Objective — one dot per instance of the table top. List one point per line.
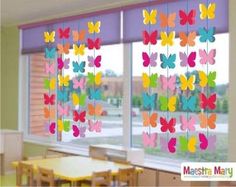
(75, 168)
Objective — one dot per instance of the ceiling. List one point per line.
(15, 12)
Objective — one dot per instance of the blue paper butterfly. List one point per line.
(78, 67)
(149, 101)
(206, 35)
(189, 103)
(168, 62)
(62, 96)
(50, 53)
(94, 94)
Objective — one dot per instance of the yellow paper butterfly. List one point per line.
(187, 83)
(64, 81)
(167, 39)
(149, 81)
(78, 50)
(78, 99)
(50, 83)
(49, 37)
(149, 17)
(94, 28)
(207, 12)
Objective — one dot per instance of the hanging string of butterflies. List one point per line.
(74, 96)
(185, 84)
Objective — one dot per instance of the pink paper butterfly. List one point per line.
(149, 140)
(78, 84)
(168, 83)
(63, 111)
(187, 124)
(95, 126)
(149, 60)
(168, 146)
(51, 127)
(210, 57)
(50, 68)
(78, 131)
(94, 61)
(62, 63)
(187, 60)
(205, 143)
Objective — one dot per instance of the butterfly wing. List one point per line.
(184, 59)
(191, 59)
(98, 78)
(172, 103)
(212, 121)
(75, 99)
(146, 59)
(164, 124)
(75, 130)
(153, 80)
(203, 141)
(163, 103)
(183, 143)
(153, 58)
(146, 80)
(171, 145)
(192, 144)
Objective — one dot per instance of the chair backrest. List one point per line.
(101, 178)
(24, 170)
(45, 176)
(126, 176)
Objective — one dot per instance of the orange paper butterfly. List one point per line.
(167, 20)
(63, 48)
(48, 113)
(150, 119)
(207, 121)
(187, 39)
(95, 110)
(78, 35)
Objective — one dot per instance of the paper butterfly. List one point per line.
(95, 110)
(206, 121)
(167, 103)
(63, 110)
(189, 103)
(187, 18)
(150, 38)
(94, 79)
(167, 20)
(94, 44)
(63, 125)
(79, 50)
(79, 116)
(187, 124)
(63, 64)
(48, 113)
(94, 27)
(49, 37)
(205, 79)
(207, 57)
(187, 60)
(50, 52)
(149, 60)
(168, 61)
(49, 99)
(167, 39)
(50, 68)
(168, 83)
(149, 140)
(50, 83)
(149, 101)
(149, 119)
(187, 39)
(63, 48)
(149, 18)
(149, 81)
(78, 99)
(79, 67)
(187, 83)
(64, 33)
(78, 35)
(206, 35)
(64, 81)
(94, 126)
(94, 62)
(205, 143)
(95, 94)
(207, 12)
(78, 131)
(78, 83)
(207, 102)
(168, 145)
(52, 127)
(167, 126)
(62, 96)
(188, 144)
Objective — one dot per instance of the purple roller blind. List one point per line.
(33, 39)
(133, 18)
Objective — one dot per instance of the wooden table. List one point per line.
(76, 168)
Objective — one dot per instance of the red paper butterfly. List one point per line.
(94, 44)
(64, 33)
(79, 116)
(152, 38)
(168, 125)
(207, 102)
(187, 18)
(49, 100)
